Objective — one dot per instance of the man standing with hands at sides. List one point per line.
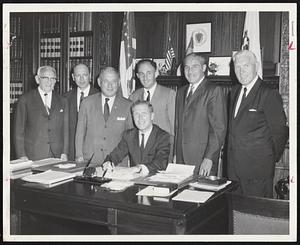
(148, 146)
(200, 124)
(42, 120)
(102, 119)
(257, 131)
(82, 78)
(161, 98)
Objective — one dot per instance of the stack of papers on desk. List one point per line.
(193, 196)
(155, 191)
(121, 173)
(209, 187)
(116, 185)
(50, 178)
(46, 161)
(20, 168)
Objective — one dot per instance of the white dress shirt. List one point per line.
(85, 94)
(249, 87)
(151, 90)
(49, 97)
(110, 102)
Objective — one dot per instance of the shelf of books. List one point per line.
(50, 43)
(80, 40)
(16, 59)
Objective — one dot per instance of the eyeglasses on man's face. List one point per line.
(52, 79)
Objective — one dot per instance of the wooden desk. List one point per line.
(77, 208)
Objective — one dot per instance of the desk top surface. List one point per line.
(126, 200)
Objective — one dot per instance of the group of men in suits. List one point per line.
(155, 125)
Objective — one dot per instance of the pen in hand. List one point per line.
(104, 173)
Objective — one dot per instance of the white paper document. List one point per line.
(49, 178)
(46, 161)
(155, 191)
(19, 164)
(209, 187)
(175, 173)
(193, 196)
(120, 173)
(116, 185)
(66, 165)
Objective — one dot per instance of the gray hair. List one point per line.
(246, 53)
(202, 58)
(45, 68)
(109, 70)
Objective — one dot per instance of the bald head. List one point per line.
(81, 76)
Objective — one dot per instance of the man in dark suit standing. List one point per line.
(161, 98)
(257, 131)
(200, 124)
(42, 120)
(102, 119)
(82, 78)
(148, 146)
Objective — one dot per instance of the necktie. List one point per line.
(81, 98)
(148, 96)
(106, 109)
(142, 145)
(188, 98)
(242, 100)
(46, 103)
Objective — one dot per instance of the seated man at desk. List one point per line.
(147, 145)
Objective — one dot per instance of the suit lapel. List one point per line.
(235, 96)
(40, 102)
(150, 141)
(197, 93)
(54, 102)
(157, 93)
(114, 109)
(250, 97)
(136, 144)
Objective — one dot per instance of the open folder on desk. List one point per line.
(20, 168)
(68, 167)
(50, 178)
(174, 177)
(193, 196)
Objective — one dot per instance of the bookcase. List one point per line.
(66, 39)
(16, 58)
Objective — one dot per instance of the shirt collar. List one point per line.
(85, 91)
(151, 90)
(196, 85)
(147, 133)
(42, 93)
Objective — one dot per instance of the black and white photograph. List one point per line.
(146, 122)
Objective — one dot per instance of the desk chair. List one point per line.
(255, 215)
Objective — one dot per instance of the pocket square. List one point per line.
(121, 118)
(61, 110)
(252, 110)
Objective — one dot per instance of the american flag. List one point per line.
(127, 54)
(169, 56)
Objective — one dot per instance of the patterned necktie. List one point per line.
(142, 145)
(188, 98)
(106, 109)
(148, 96)
(46, 104)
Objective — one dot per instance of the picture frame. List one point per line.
(198, 37)
(219, 66)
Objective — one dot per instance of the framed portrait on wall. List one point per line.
(198, 37)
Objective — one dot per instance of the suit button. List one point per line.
(104, 138)
(101, 149)
(49, 130)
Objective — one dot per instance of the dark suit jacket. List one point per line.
(38, 134)
(156, 152)
(200, 125)
(73, 115)
(93, 134)
(257, 135)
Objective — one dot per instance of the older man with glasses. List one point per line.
(41, 124)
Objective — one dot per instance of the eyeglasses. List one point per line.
(193, 67)
(78, 76)
(52, 79)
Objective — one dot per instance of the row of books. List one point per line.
(86, 61)
(50, 23)
(16, 89)
(15, 26)
(80, 21)
(15, 70)
(50, 47)
(16, 48)
(81, 46)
